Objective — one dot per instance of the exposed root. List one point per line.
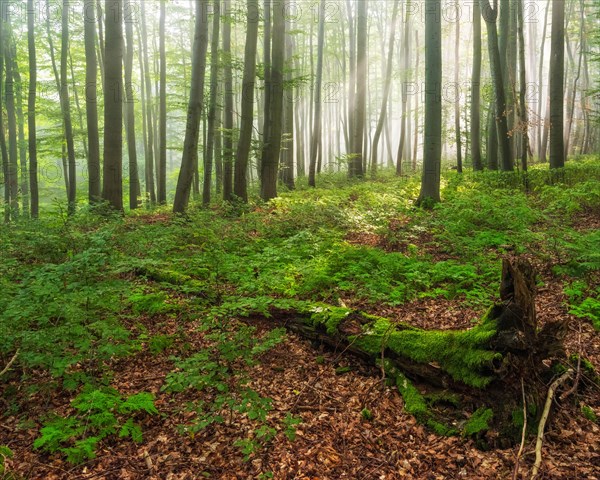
(10, 363)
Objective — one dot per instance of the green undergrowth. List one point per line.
(75, 290)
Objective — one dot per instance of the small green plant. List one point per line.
(479, 422)
(589, 413)
(159, 343)
(5, 453)
(366, 414)
(99, 414)
(290, 422)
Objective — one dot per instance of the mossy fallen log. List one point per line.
(481, 367)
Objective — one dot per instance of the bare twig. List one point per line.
(540, 434)
(523, 434)
(10, 362)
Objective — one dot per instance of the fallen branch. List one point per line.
(523, 433)
(10, 362)
(540, 434)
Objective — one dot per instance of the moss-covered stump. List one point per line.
(480, 368)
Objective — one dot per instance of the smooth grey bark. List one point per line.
(356, 159)
(476, 91)
(212, 103)
(161, 194)
(490, 15)
(31, 121)
(557, 66)
(112, 180)
(432, 145)
(228, 110)
(3, 149)
(404, 90)
(315, 138)
(240, 183)
(523, 116)
(134, 179)
(287, 157)
(272, 149)
(192, 128)
(541, 123)
(9, 96)
(91, 101)
(22, 145)
(150, 141)
(459, 166)
(416, 139)
(386, 86)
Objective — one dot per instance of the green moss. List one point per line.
(414, 402)
(478, 421)
(441, 429)
(463, 354)
(443, 397)
(328, 316)
(589, 414)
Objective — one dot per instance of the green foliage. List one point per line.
(479, 422)
(5, 453)
(99, 413)
(589, 413)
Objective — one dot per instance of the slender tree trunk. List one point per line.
(228, 112)
(240, 183)
(356, 160)
(522, 88)
(287, 175)
(352, 74)
(557, 67)
(31, 101)
(91, 99)
(476, 91)
(459, 166)
(112, 185)
(134, 178)
(4, 150)
(13, 166)
(416, 139)
(212, 103)
(162, 120)
(541, 87)
(571, 106)
(490, 15)
(316, 130)
(405, 93)
(192, 128)
(430, 181)
(150, 184)
(271, 151)
(21, 135)
(77, 104)
(386, 86)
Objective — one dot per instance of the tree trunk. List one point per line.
(524, 126)
(112, 188)
(192, 128)
(65, 104)
(130, 100)
(557, 66)
(459, 166)
(212, 103)
(4, 150)
(162, 118)
(490, 15)
(541, 87)
(13, 166)
(31, 123)
(476, 91)
(228, 111)
(91, 100)
(571, 106)
(416, 139)
(356, 160)
(432, 145)
(315, 139)
(240, 183)
(404, 92)
(21, 135)
(272, 149)
(287, 171)
(150, 151)
(386, 86)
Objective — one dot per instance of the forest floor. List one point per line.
(330, 415)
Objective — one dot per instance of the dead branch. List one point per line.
(10, 362)
(540, 434)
